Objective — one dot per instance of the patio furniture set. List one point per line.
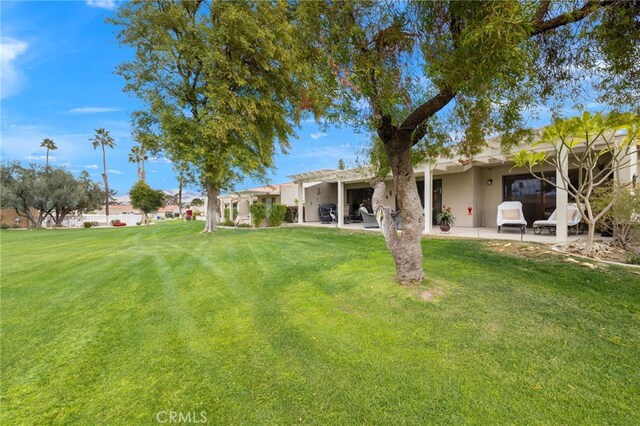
(509, 215)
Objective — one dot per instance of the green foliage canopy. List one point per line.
(144, 198)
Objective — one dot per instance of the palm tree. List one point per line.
(138, 155)
(50, 145)
(103, 138)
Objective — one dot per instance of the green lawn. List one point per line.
(112, 326)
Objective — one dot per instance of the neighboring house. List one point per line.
(8, 217)
(115, 209)
(473, 188)
(287, 194)
(162, 211)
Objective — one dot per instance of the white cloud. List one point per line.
(114, 171)
(22, 140)
(37, 157)
(316, 136)
(12, 79)
(92, 110)
(103, 4)
(90, 166)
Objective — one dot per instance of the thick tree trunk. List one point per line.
(212, 197)
(406, 249)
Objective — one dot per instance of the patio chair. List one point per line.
(510, 215)
(327, 212)
(573, 221)
(368, 219)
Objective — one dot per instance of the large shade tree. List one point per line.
(220, 84)
(432, 78)
(35, 193)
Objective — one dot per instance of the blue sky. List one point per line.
(58, 81)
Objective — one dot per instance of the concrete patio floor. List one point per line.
(512, 234)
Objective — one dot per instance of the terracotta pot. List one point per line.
(445, 227)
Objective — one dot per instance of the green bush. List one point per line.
(4, 226)
(634, 259)
(87, 224)
(169, 215)
(276, 214)
(226, 215)
(227, 222)
(258, 213)
(291, 216)
(243, 225)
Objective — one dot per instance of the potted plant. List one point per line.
(445, 219)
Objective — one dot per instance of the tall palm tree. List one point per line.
(50, 145)
(138, 155)
(103, 138)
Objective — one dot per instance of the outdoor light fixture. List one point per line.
(490, 182)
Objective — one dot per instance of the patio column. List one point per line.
(250, 204)
(428, 202)
(231, 210)
(561, 196)
(300, 205)
(340, 203)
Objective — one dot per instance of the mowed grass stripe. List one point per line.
(306, 325)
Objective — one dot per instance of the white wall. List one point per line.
(288, 193)
(457, 193)
(129, 219)
(322, 193)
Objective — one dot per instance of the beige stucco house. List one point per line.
(285, 193)
(471, 187)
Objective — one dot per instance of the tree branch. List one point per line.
(566, 18)
(427, 110)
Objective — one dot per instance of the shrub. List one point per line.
(276, 214)
(243, 225)
(227, 222)
(187, 218)
(291, 216)
(634, 259)
(4, 226)
(87, 224)
(115, 222)
(623, 218)
(226, 215)
(258, 213)
(169, 215)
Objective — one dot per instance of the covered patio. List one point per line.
(487, 233)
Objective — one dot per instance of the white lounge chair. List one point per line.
(510, 214)
(573, 221)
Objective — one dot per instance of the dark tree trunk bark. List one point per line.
(212, 197)
(406, 249)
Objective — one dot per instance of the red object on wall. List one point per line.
(469, 208)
